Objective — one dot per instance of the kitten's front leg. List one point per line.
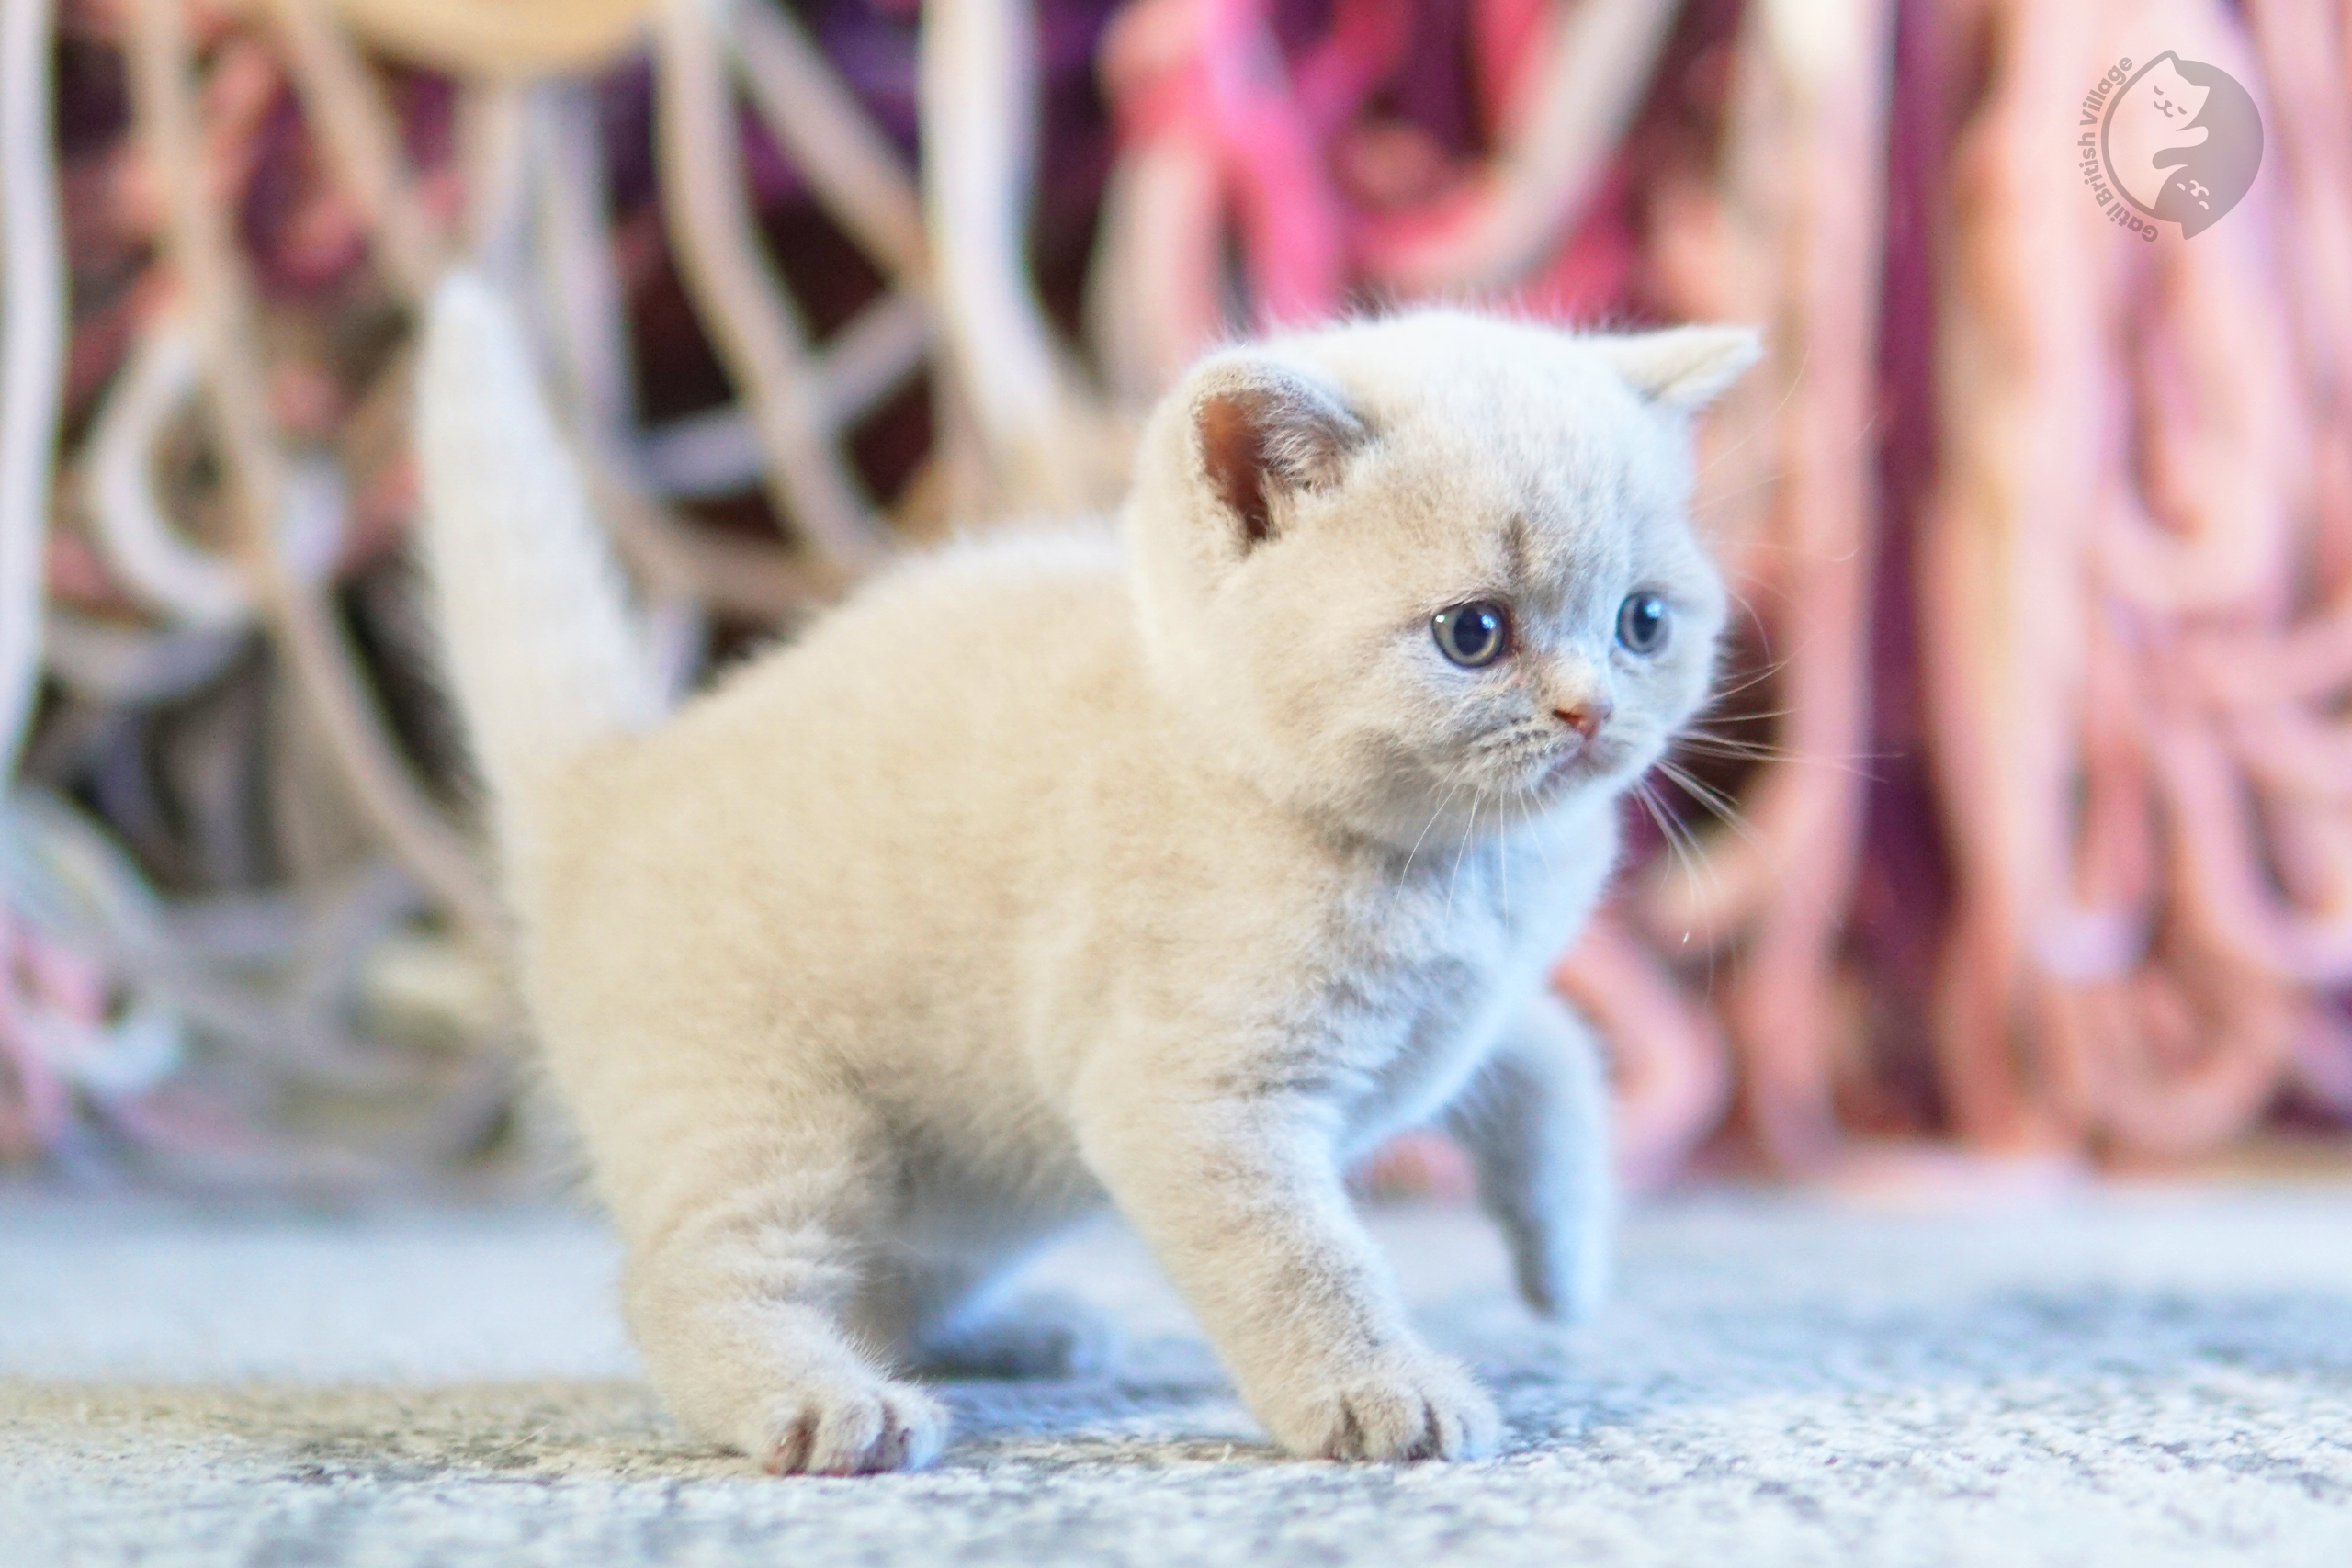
(1239, 1197)
(1535, 1122)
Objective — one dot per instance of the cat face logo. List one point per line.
(2181, 141)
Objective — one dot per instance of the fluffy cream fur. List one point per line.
(1173, 864)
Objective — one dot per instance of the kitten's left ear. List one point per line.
(1682, 368)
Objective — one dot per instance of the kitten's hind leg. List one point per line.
(1535, 1122)
(966, 1315)
(1022, 1334)
(749, 1219)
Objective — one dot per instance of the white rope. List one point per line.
(147, 553)
(32, 351)
(976, 75)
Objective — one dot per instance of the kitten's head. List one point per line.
(1403, 571)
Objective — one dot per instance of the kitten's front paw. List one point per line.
(850, 1427)
(1564, 1280)
(1421, 1407)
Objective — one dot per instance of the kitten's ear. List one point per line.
(1682, 368)
(1263, 428)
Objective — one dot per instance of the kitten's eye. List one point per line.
(1474, 634)
(1641, 623)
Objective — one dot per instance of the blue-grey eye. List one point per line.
(1641, 623)
(1474, 634)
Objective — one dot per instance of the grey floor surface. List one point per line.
(2149, 1377)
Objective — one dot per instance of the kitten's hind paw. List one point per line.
(1040, 1335)
(850, 1429)
(1422, 1408)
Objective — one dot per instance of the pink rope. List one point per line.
(39, 982)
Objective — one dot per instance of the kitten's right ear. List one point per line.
(1262, 429)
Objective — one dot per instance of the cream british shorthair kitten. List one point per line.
(1168, 863)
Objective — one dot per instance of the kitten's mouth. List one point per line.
(1572, 765)
(1578, 763)
(1540, 772)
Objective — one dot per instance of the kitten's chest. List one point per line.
(1428, 974)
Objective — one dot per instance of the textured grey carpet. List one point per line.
(2139, 1379)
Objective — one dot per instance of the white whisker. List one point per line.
(1468, 832)
(1683, 849)
(1443, 802)
(1717, 804)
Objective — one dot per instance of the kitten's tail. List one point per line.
(537, 638)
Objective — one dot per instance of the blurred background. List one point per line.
(2016, 849)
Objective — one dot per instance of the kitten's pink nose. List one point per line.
(1584, 717)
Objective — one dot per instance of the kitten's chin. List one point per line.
(1559, 788)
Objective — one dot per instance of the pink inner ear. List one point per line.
(1233, 449)
(1278, 434)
